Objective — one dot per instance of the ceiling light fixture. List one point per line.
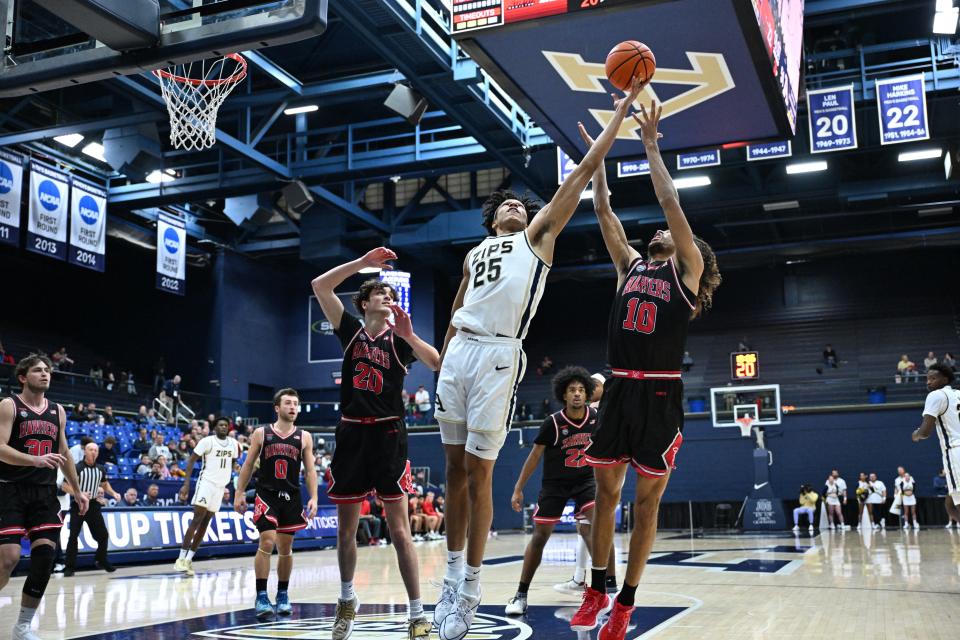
(69, 139)
(920, 154)
(157, 177)
(691, 181)
(306, 108)
(781, 206)
(94, 150)
(806, 167)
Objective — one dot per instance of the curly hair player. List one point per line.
(641, 411)
(483, 363)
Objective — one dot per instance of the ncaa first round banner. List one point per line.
(47, 227)
(88, 225)
(171, 255)
(11, 188)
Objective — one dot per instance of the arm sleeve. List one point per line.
(936, 404)
(349, 325)
(547, 436)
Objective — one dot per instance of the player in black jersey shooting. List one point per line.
(33, 445)
(371, 453)
(560, 444)
(280, 449)
(641, 412)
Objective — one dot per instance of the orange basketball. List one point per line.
(628, 60)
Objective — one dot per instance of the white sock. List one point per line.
(583, 560)
(454, 566)
(190, 553)
(415, 609)
(346, 591)
(183, 554)
(471, 582)
(26, 616)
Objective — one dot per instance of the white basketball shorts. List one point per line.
(951, 464)
(208, 495)
(477, 392)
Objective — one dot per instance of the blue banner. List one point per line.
(769, 150)
(565, 166)
(400, 281)
(47, 226)
(11, 190)
(698, 159)
(902, 106)
(88, 225)
(629, 168)
(171, 255)
(833, 120)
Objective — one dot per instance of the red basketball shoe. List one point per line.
(595, 604)
(616, 626)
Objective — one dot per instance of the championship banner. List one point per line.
(833, 120)
(769, 150)
(698, 159)
(400, 281)
(171, 255)
(902, 106)
(630, 168)
(11, 189)
(47, 227)
(88, 225)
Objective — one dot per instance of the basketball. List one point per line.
(630, 59)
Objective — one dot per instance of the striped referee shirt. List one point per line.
(91, 477)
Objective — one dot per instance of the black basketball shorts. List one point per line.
(555, 495)
(280, 511)
(640, 423)
(28, 510)
(369, 458)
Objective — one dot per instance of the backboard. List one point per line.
(761, 402)
(45, 52)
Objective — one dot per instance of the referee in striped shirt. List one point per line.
(92, 478)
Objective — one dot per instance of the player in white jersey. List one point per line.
(483, 363)
(219, 453)
(941, 413)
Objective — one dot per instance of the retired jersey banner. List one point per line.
(171, 255)
(629, 168)
(769, 150)
(11, 190)
(902, 106)
(833, 120)
(88, 225)
(47, 227)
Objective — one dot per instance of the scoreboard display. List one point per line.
(471, 15)
(745, 365)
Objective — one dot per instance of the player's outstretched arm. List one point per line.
(403, 327)
(614, 237)
(310, 473)
(556, 214)
(189, 470)
(68, 468)
(324, 285)
(246, 471)
(531, 464)
(457, 303)
(925, 429)
(690, 258)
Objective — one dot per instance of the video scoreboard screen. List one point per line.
(470, 15)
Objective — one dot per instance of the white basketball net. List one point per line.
(194, 92)
(745, 423)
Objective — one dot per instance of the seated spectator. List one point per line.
(61, 361)
(432, 517)
(949, 361)
(830, 358)
(152, 499)
(91, 415)
(164, 469)
(929, 361)
(416, 518)
(368, 527)
(907, 368)
(226, 501)
(182, 452)
(6, 358)
(129, 498)
(108, 452)
(142, 443)
(376, 510)
(156, 471)
(687, 362)
(77, 414)
(145, 466)
(76, 451)
(108, 417)
(183, 497)
(159, 449)
(808, 500)
(173, 456)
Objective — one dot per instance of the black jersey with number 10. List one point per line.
(280, 460)
(648, 323)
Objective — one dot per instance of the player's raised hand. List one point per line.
(516, 501)
(240, 503)
(583, 134)
(401, 325)
(49, 461)
(624, 102)
(311, 508)
(377, 258)
(649, 121)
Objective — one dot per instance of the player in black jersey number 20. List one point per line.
(371, 454)
(560, 443)
(280, 449)
(641, 412)
(32, 445)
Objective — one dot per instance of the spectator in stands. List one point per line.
(145, 467)
(227, 501)
(108, 417)
(368, 529)
(830, 358)
(164, 469)
(77, 414)
(183, 497)
(129, 498)
(132, 385)
(76, 451)
(808, 501)
(156, 473)
(949, 361)
(172, 446)
(152, 499)
(110, 379)
(181, 453)
(96, 375)
(906, 367)
(422, 398)
(376, 510)
(91, 415)
(545, 409)
(545, 366)
(6, 358)
(159, 449)
(61, 361)
(108, 453)
(172, 389)
(416, 518)
(432, 517)
(687, 362)
(743, 345)
(141, 415)
(929, 361)
(142, 443)
(320, 446)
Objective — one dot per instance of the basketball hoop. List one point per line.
(745, 423)
(194, 96)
